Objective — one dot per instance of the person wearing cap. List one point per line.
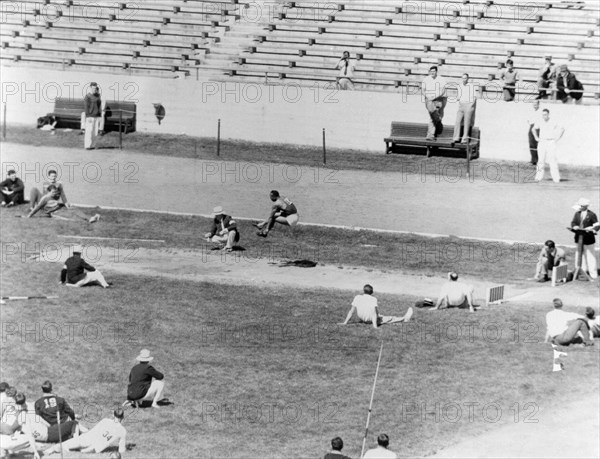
(586, 220)
(510, 78)
(49, 406)
(284, 212)
(549, 257)
(433, 89)
(566, 328)
(145, 382)
(546, 76)
(92, 110)
(224, 230)
(547, 135)
(13, 190)
(568, 87)
(108, 432)
(382, 451)
(337, 444)
(367, 310)
(27, 427)
(77, 273)
(455, 294)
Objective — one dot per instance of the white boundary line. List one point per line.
(323, 225)
(112, 238)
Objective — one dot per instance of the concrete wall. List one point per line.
(291, 114)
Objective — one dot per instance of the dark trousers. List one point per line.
(15, 198)
(533, 144)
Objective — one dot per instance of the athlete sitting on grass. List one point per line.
(283, 211)
(455, 294)
(106, 433)
(53, 198)
(366, 309)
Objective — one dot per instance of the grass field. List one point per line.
(266, 371)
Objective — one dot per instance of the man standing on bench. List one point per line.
(92, 109)
(433, 89)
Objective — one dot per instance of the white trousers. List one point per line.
(92, 126)
(90, 278)
(547, 154)
(155, 391)
(588, 260)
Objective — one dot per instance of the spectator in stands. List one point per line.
(465, 117)
(223, 230)
(593, 322)
(382, 451)
(77, 273)
(336, 449)
(455, 294)
(433, 89)
(566, 328)
(585, 219)
(92, 109)
(13, 190)
(546, 76)
(509, 77)
(346, 66)
(535, 117)
(547, 135)
(568, 87)
(549, 257)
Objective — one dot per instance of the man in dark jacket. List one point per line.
(92, 110)
(77, 273)
(224, 230)
(568, 87)
(13, 190)
(145, 383)
(587, 221)
(49, 405)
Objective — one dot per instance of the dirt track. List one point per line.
(409, 202)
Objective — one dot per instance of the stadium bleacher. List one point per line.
(301, 41)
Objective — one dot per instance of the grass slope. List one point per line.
(263, 372)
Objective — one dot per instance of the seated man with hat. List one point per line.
(568, 87)
(77, 273)
(145, 382)
(224, 230)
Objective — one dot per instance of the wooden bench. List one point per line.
(413, 135)
(68, 114)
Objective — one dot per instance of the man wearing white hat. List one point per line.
(586, 220)
(145, 382)
(224, 230)
(77, 273)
